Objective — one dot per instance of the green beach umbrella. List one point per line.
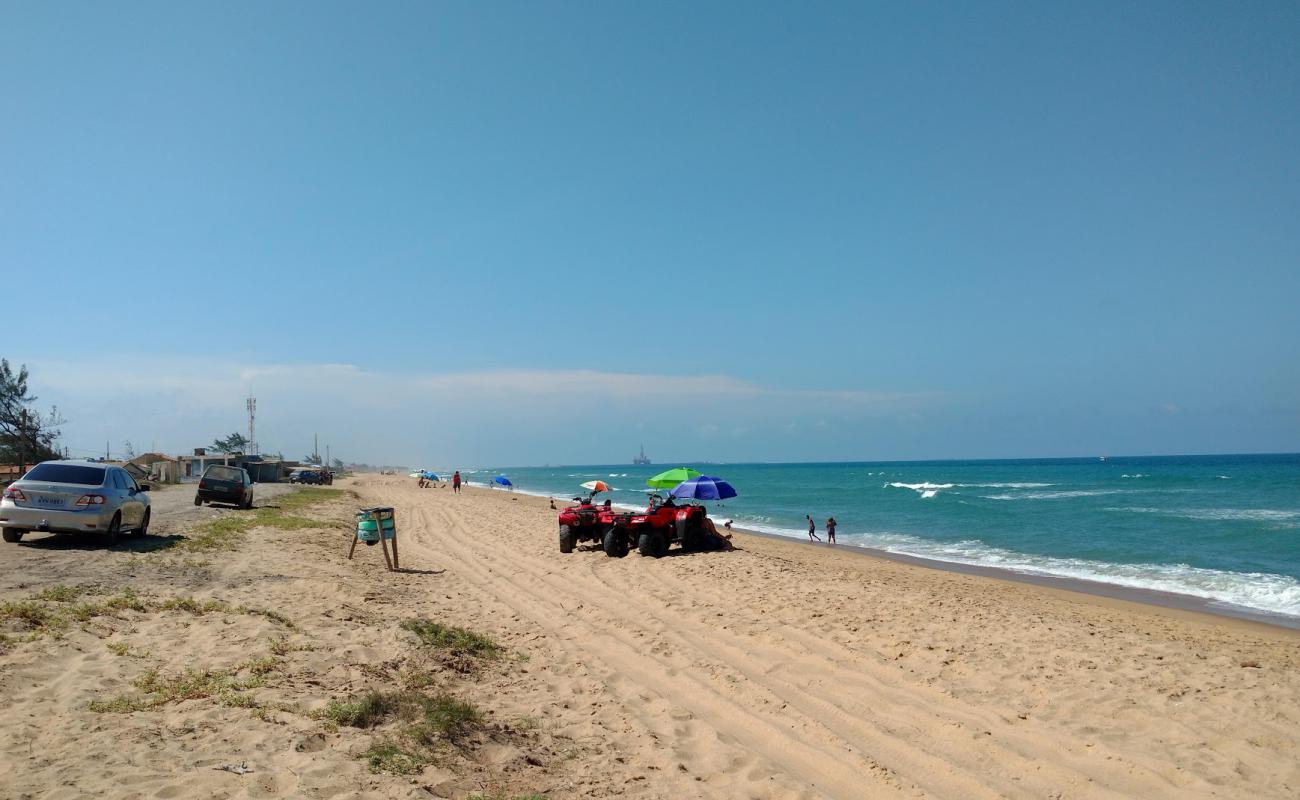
(670, 479)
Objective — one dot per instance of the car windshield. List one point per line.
(224, 473)
(67, 473)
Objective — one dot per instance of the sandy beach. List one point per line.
(779, 670)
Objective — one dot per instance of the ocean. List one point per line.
(1225, 529)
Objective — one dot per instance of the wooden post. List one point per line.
(395, 564)
(383, 542)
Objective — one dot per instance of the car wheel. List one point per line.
(198, 501)
(114, 529)
(143, 530)
(249, 502)
(12, 536)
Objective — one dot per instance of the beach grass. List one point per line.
(462, 649)
(158, 689)
(226, 532)
(429, 721)
(389, 757)
(54, 610)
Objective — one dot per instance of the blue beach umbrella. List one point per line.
(503, 480)
(429, 476)
(703, 488)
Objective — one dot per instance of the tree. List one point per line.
(129, 449)
(338, 463)
(234, 443)
(26, 435)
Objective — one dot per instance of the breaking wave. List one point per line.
(1061, 495)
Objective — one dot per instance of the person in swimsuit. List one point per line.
(830, 530)
(812, 529)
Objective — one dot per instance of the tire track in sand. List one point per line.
(766, 736)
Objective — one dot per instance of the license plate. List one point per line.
(54, 502)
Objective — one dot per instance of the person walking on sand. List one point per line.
(812, 529)
(830, 530)
(455, 482)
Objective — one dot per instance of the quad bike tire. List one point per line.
(567, 539)
(691, 534)
(615, 543)
(651, 544)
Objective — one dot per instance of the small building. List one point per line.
(262, 469)
(192, 467)
(156, 467)
(9, 473)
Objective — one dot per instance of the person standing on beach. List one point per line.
(812, 529)
(830, 530)
(455, 482)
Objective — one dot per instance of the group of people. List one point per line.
(812, 529)
(424, 482)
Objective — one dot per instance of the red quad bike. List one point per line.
(582, 523)
(653, 530)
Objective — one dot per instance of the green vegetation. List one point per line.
(31, 615)
(52, 610)
(388, 757)
(463, 649)
(445, 719)
(431, 720)
(159, 690)
(193, 606)
(60, 594)
(281, 646)
(226, 532)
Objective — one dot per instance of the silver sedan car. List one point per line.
(74, 497)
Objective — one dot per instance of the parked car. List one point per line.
(225, 484)
(304, 476)
(74, 497)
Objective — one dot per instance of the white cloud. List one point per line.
(373, 415)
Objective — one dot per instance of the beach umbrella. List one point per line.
(703, 488)
(503, 480)
(429, 476)
(596, 486)
(669, 479)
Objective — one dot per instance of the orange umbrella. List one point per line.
(595, 487)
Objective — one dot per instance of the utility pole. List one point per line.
(327, 457)
(251, 405)
(315, 446)
(22, 443)
(108, 455)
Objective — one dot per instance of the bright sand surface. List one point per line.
(780, 670)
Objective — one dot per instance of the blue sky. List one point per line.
(547, 232)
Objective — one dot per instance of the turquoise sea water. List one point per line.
(1222, 528)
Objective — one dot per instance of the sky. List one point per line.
(523, 233)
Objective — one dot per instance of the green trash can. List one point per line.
(371, 521)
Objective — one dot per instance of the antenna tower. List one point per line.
(251, 404)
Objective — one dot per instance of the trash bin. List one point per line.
(372, 521)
